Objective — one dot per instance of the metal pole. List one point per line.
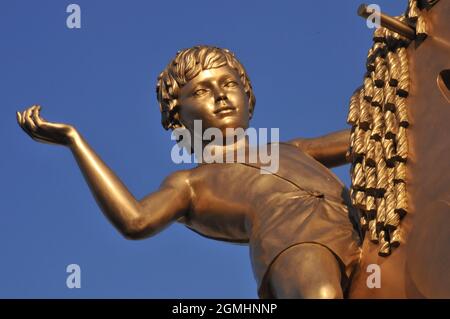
(389, 22)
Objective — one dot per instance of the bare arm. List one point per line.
(329, 149)
(134, 219)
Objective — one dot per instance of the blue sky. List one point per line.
(304, 58)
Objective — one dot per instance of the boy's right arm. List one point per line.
(134, 219)
(330, 150)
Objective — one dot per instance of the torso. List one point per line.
(229, 198)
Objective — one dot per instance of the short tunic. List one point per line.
(315, 209)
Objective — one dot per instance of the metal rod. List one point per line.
(389, 22)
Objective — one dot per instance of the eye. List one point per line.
(200, 92)
(231, 84)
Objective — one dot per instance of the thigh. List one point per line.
(305, 270)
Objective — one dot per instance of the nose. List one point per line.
(221, 96)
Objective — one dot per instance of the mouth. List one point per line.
(225, 110)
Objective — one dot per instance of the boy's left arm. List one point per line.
(329, 149)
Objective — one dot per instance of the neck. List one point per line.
(223, 152)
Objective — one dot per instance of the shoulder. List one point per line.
(179, 180)
(291, 146)
(299, 143)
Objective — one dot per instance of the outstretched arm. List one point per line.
(134, 219)
(329, 149)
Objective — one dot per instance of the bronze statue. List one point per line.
(302, 225)
(302, 231)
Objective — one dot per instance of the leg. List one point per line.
(306, 271)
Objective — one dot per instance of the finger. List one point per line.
(28, 120)
(36, 118)
(35, 136)
(42, 126)
(27, 109)
(40, 121)
(36, 121)
(27, 130)
(19, 118)
(22, 118)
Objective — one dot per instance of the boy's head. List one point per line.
(206, 83)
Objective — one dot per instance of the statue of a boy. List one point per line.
(302, 231)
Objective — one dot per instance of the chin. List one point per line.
(234, 122)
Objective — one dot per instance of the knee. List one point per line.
(323, 291)
(303, 288)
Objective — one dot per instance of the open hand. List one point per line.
(43, 131)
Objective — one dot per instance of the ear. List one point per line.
(250, 109)
(184, 138)
(176, 119)
(251, 104)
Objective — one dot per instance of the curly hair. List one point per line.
(186, 65)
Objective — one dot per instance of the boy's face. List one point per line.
(217, 97)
